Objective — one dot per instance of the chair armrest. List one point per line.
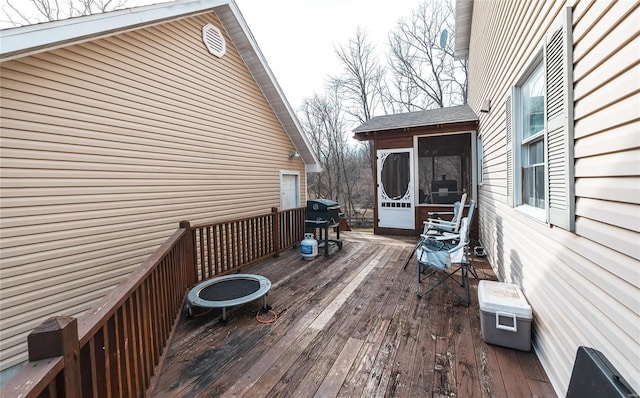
(446, 237)
(440, 213)
(437, 221)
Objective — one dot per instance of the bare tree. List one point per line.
(361, 83)
(361, 79)
(323, 122)
(26, 12)
(421, 59)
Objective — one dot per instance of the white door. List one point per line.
(395, 188)
(289, 190)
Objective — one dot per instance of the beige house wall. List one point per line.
(106, 145)
(584, 287)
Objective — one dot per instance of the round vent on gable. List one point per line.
(214, 40)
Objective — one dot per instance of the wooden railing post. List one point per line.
(58, 336)
(191, 267)
(276, 231)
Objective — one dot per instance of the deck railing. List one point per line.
(227, 247)
(115, 349)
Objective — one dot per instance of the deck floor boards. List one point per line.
(349, 325)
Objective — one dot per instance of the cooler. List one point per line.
(505, 315)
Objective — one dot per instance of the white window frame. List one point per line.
(520, 142)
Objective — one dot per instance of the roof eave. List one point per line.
(30, 39)
(464, 14)
(460, 125)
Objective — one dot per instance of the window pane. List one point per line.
(535, 153)
(395, 175)
(448, 167)
(533, 185)
(533, 103)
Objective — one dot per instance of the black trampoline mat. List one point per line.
(229, 289)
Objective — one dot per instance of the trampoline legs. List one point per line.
(265, 307)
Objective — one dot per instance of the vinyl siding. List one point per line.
(106, 146)
(584, 287)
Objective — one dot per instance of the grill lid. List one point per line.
(321, 205)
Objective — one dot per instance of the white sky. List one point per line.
(297, 37)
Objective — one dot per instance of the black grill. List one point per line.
(323, 215)
(323, 210)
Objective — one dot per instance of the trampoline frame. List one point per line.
(194, 300)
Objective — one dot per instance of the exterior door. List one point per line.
(289, 190)
(395, 188)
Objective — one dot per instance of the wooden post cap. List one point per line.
(51, 338)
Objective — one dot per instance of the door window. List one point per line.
(395, 175)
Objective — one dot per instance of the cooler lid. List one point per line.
(503, 297)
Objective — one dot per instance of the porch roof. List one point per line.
(432, 117)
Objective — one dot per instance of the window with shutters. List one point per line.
(539, 127)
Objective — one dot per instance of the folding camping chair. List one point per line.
(455, 237)
(437, 225)
(439, 260)
(455, 234)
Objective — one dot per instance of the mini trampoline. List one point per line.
(228, 291)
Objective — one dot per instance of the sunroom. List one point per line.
(425, 162)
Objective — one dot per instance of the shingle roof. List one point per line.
(454, 114)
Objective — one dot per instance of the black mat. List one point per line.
(229, 289)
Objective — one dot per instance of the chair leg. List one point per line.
(465, 279)
(442, 281)
(473, 271)
(420, 241)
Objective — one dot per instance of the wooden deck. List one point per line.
(349, 325)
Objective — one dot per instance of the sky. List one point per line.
(298, 37)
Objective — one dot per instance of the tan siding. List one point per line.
(587, 282)
(617, 88)
(614, 237)
(613, 31)
(600, 210)
(106, 146)
(614, 64)
(617, 189)
(616, 114)
(609, 165)
(615, 139)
